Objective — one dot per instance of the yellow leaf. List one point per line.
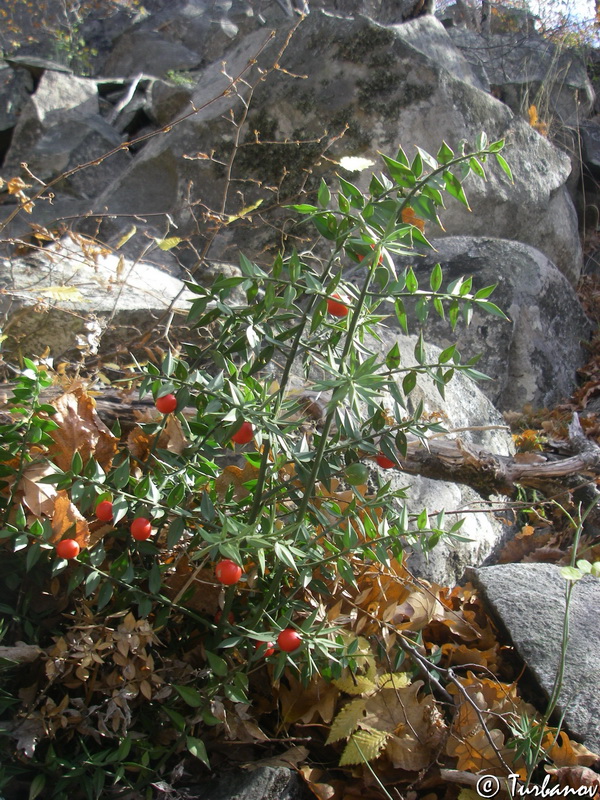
(533, 115)
(364, 746)
(244, 211)
(168, 244)
(62, 293)
(16, 185)
(347, 720)
(126, 237)
(355, 684)
(396, 680)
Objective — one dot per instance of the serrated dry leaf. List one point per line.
(80, 429)
(364, 745)
(407, 718)
(475, 752)
(347, 720)
(355, 684)
(68, 293)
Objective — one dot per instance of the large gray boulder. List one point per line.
(16, 84)
(529, 602)
(74, 295)
(464, 407)
(59, 102)
(143, 51)
(529, 70)
(533, 357)
(381, 83)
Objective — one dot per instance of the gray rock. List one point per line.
(79, 141)
(263, 783)
(534, 357)
(480, 536)
(106, 299)
(464, 406)
(529, 601)
(530, 70)
(381, 84)
(15, 87)
(147, 52)
(590, 144)
(59, 100)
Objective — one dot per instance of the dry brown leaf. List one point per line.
(409, 721)
(20, 652)
(291, 758)
(463, 655)
(569, 753)
(408, 215)
(172, 437)
(575, 777)
(304, 703)
(322, 791)
(68, 519)
(475, 752)
(81, 430)
(38, 497)
(231, 476)
(421, 606)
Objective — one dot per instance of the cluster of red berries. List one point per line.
(229, 573)
(140, 529)
(168, 403)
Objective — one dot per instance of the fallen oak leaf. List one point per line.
(80, 430)
(574, 777)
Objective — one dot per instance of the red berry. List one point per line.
(361, 257)
(336, 309)
(289, 639)
(385, 462)
(67, 548)
(230, 617)
(269, 649)
(166, 404)
(228, 572)
(141, 529)
(104, 511)
(244, 435)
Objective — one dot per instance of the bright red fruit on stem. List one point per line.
(230, 617)
(141, 529)
(244, 435)
(289, 639)
(228, 572)
(336, 309)
(166, 404)
(361, 257)
(385, 462)
(269, 649)
(104, 511)
(67, 548)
